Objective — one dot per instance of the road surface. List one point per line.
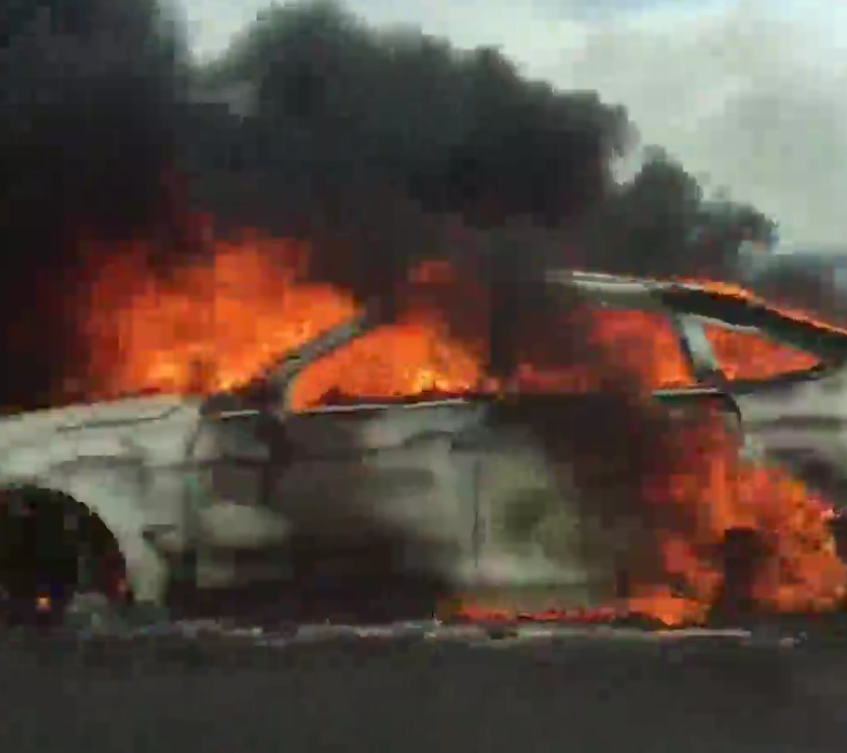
(613, 691)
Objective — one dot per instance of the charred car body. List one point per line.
(161, 500)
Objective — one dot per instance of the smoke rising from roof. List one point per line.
(373, 144)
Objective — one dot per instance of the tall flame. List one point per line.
(721, 491)
(214, 325)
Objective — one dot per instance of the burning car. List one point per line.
(158, 500)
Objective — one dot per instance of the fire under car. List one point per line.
(170, 503)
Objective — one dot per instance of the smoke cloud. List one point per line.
(377, 145)
(89, 93)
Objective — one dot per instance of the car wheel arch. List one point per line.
(146, 571)
(88, 555)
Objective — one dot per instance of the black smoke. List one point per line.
(377, 145)
(89, 95)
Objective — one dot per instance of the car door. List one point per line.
(235, 535)
(355, 474)
(234, 524)
(331, 479)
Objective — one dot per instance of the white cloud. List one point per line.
(753, 100)
(752, 95)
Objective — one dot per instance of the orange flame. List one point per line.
(215, 325)
(722, 492)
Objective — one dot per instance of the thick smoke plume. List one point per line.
(89, 94)
(379, 146)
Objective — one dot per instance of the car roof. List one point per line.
(621, 291)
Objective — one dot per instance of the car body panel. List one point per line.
(170, 482)
(420, 468)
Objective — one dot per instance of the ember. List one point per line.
(215, 324)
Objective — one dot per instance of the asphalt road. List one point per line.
(605, 694)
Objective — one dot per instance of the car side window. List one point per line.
(748, 354)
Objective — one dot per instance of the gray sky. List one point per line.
(750, 93)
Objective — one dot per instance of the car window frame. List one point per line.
(828, 344)
(704, 354)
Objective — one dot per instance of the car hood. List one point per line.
(23, 427)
